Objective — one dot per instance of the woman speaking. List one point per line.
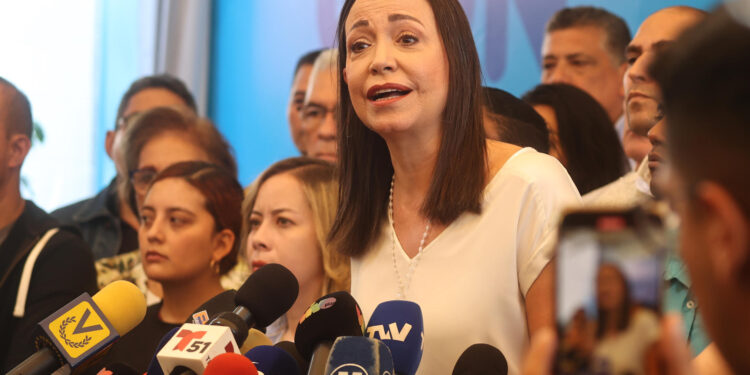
(429, 209)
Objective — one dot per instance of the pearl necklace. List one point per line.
(403, 286)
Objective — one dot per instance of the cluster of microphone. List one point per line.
(331, 337)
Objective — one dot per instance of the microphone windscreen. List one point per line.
(220, 303)
(123, 304)
(154, 368)
(481, 359)
(356, 354)
(272, 360)
(331, 316)
(399, 325)
(291, 349)
(254, 338)
(268, 293)
(230, 363)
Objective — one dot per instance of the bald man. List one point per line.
(44, 266)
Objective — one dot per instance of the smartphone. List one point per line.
(609, 274)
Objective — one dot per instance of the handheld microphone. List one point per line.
(291, 349)
(399, 325)
(221, 302)
(333, 315)
(270, 360)
(153, 367)
(254, 338)
(193, 346)
(359, 355)
(266, 295)
(80, 332)
(231, 363)
(481, 359)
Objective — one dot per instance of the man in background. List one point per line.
(297, 98)
(44, 266)
(319, 108)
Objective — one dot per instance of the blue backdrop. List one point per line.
(256, 45)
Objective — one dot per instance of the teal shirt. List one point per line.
(679, 298)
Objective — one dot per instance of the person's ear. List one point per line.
(19, 146)
(726, 228)
(223, 243)
(109, 142)
(346, 78)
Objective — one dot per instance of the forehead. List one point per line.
(375, 9)
(174, 192)
(152, 98)
(665, 25)
(580, 39)
(170, 148)
(281, 190)
(323, 85)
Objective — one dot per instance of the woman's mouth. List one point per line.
(387, 93)
(257, 264)
(153, 256)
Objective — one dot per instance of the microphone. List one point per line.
(221, 302)
(333, 315)
(291, 349)
(254, 338)
(266, 295)
(154, 368)
(481, 359)
(359, 355)
(231, 363)
(272, 360)
(399, 325)
(80, 332)
(193, 346)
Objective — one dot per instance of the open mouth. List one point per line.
(387, 92)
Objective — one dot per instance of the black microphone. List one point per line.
(481, 359)
(291, 349)
(220, 303)
(266, 295)
(331, 316)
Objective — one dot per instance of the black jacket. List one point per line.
(63, 270)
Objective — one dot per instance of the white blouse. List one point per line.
(472, 279)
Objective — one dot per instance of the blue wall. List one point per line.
(256, 45)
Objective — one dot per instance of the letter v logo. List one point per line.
(81, 326)
(399, 335)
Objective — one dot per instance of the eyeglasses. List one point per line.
(123, 121)
(314, 114)
(142, 178)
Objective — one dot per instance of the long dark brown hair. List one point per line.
(365, 167)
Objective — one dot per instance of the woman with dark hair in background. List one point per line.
(188, 237)
(430, 210)
(581, 135)
(153, 141)
(511, 120)
(289, 217)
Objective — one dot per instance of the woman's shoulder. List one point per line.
(526, 166)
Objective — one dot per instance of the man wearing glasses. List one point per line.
(107, 221)
(319, 109)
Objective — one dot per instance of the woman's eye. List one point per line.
(146, 220)
(358, 46)
(174, 220)
(253, 224)
(407, 39)
(282, 221)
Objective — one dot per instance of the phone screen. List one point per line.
(609, 278)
